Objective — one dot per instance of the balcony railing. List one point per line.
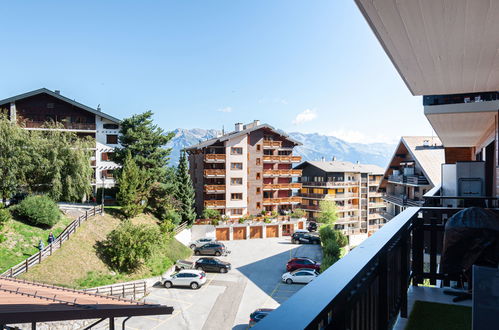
(402, 201)
(214, 203)
(282, 200)
(282, 159)
(310, 207)
(214, 172)
(333, 197)
(214, 188)
(75, 126)
(374, 205)
(272, 144)
(330, 184)
(282, 186)
(415, 180)
(214, 158)
(282, 172)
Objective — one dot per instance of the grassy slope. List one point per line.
(22, 241)
(77, 265)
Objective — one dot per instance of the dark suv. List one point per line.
(312, 226)
(302, 262)
(302, 237)
(216, 248)
(209, 264)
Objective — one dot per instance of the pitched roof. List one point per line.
(245, 131)
(344, 166)
(60, 97)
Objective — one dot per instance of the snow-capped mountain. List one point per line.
(315, 147)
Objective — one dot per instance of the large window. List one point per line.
(236, 166)
(236, 151)
(112, 139)
(237, 212)
(236, 196)
(236, 181)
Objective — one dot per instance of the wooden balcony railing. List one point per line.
(214, 203)
(282, 200)
(282, 186)
(282, 159)
(214, 158)
(282, 172)
(272, 144)
(75, 126)
(330, 184)
(214, 187)
(214, 172)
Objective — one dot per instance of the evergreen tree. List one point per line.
(129, 187)
(184, 191)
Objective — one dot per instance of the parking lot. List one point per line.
(226, 300)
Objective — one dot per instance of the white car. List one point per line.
(302, 275)
(190, 278)
(200, 242)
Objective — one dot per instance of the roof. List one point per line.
(25, 302)
(234, 134)
(60, 97)
(344, 166)
(430, 159)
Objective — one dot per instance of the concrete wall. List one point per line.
(255, 139)
(102, 147)
(238, 142)
(200, 231)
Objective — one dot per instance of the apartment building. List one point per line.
(34, 109)
(245, 171)
(352, 186)
(414, 169)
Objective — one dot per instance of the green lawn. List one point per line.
(22, 240)
(434, 316)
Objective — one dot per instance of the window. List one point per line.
(104, 156)
(258, 147)
(111, 126)
(258, 205)
(236, 151)
(237, 211)
(258, 190)
(236, 181)
(236, 196)
(258, 161)
(258, 176)
(236, 166)
(112, 139)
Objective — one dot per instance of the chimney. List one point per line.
(358, 162)
(239, 127)
(257, 122)
(323, 159)
(334, 158)
(58, 92)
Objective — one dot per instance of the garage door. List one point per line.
(271, 231)
(222, 234)
(300, 225)
(256, 232)
(239, 232)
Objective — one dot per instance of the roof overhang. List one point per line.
(439, 46)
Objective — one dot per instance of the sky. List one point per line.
(311, 66)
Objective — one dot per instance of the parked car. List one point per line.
(302, 275)
(189, 278)
(257, 315)
(312, 226)
(215, 248)
(184, 264)
(302, 262)
(305, 238)
(200, 242)
(209, 264)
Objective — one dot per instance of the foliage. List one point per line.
(184, 192)
(274, 214)
(298, 213)
(167, 228)
(38, 210)
(162, 203)
(4, 218)
(211, 214)
(215, 222)
(129, 194)
(327, 213)
(332, 243)
(127, 247)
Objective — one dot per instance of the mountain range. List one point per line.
(315, 147)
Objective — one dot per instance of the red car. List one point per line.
(297, 263)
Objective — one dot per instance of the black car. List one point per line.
(212, 265)
(216, 248)
(257, 315)
(312, 226)
(302, 237)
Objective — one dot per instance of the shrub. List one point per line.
(215, 222)
(332, 243)
(39, 210)
(167, 227)
(128, 246)
(298, 213)
(4, 217)
(211, 214)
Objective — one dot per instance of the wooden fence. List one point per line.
(136, 290)
(37, 258)
(180, 227)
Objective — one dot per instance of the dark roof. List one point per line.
(343, 166)
(26, 302)
(239, 133)
(60, 97)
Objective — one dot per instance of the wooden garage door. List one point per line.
(239, 232)
(271, 231)
(300, 225)
(256, 232)
(222, 234)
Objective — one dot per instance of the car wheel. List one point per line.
(293, 241)
(218, 254)
(223, 270)
(194, 285)
(168, 284)
(196, 253)
(199, 268)
(193, 246)
(289, 281)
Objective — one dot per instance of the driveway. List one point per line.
(226, 300)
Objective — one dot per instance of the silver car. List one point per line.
(188, 278)
(200, 242)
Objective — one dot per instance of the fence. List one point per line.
(123, 290)
(37, 258)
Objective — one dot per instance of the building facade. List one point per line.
(245, 172)
(415, 168)
(34, 109)
(353, 187)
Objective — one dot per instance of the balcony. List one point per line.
(371, 286)
(214, 173)
(375, 216)
(334, 184)
(271, 144)
(333, 197)
(65, 125)
(402, 201)
(281, 201)
(281, 159)
(212, 188)
(282, 186)
(310, 207)
(412, 180)
(214, 158)
(281, 172)
(376, 204)
(375, 194)
(214, 204)
(387, 216)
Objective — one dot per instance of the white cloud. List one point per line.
(226, 109)
(305, 116)
(359, 137)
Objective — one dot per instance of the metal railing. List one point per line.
(38, 257)
(402, 200)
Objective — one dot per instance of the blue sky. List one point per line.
(309, 66)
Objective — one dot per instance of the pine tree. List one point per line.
(129, 183)
(184, 191)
